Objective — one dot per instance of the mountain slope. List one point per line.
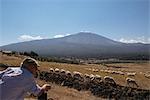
(89, 38)
(81, 45)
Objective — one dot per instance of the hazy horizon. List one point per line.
(27, 38)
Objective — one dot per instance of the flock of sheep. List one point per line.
(100, 86)
(130, 74)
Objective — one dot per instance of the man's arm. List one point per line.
(36, 89)
(32, 87)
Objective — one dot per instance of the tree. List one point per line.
(33, 54)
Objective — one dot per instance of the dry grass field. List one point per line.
(63, 93)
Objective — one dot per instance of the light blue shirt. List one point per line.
(15, 83)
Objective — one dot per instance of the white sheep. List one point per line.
(62, 71)
(98, 77)
(91, 76)
(56, 70)
(76, 74)
(95, 70)
(68, 73)
(131, 81)
(147, 75)
(102, 70)
(121, 73)
(118, 72)
(51, 70)
(86, 75)
(88, 69)
(131, 74)
(109, 79)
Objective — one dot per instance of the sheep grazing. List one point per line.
(68, 81)
(57, 70)
(87, 81)
(90, 69)
(78, 80)
(120, 72)
(95, 70)
(109, 80)
(51, 70)
(56, 76)
(131, 74)
(96, 79)
(87, 76)
(147, 75)
(91, 76)
(131, 81)
(68, 73)
(62, 71)
(77, 75)
(117, 72)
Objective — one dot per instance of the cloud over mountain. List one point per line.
(61, 35)
(136, 40)
(29, 37)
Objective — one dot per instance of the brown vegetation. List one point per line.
(64, 93)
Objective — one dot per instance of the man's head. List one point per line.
(30, 64)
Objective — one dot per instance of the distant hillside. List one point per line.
(82, 45)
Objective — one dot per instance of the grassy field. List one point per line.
(63, 93)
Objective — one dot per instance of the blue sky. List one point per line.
(121, 20)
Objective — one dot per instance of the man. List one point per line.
(15, 83)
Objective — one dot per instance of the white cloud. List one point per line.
(58, 36)
(135, 40)
(29, 38)
(61, 35)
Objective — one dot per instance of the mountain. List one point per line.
(88, 38)
(82, 44)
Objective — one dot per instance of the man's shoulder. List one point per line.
(12, 71)
(17, 71)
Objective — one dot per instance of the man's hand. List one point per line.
(46, 87)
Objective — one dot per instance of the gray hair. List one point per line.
(28, 61)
